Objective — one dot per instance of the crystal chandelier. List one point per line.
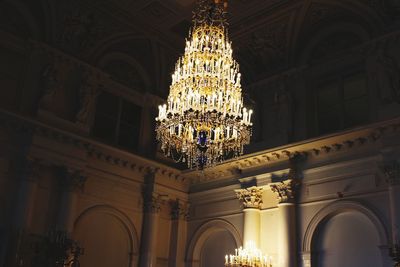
(249, 256)
(204, 121)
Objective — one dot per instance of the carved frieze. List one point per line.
(88, 92)
(285, 190)
(251, 197)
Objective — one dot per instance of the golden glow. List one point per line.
(204, 119)
(249, 256)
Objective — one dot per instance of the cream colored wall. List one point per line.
(339, 190)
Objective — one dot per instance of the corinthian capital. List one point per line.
(251, 197)
(285, 190)
(179, 210)
(72, 179)
(152, 202)
(392, 172)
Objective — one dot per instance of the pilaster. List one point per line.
(252, 200)
(286, 194)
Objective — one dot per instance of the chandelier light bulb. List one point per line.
(204, 120)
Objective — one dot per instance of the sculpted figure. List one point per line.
(88, 93)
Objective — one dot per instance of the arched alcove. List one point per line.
(108, 237)
(125, 69)
(211, 241)
(345, 233)
(327, 40)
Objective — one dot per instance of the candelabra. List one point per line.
(57, 250)
(249, 256)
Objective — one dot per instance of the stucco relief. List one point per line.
(285, 190)
(251, 197)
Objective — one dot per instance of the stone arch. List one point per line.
(336, 208)
(101, 49)
(117, 56)
(122, 218)
(205, 231)
(323, 34)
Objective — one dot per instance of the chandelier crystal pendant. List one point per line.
(204, 121)
(249, 256)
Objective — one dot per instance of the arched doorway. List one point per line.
(211, 242)
(347, 234)
(348, 239)
(107, 236)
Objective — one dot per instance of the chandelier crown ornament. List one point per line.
(204, 120)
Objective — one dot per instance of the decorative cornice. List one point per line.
(286, 190)
(93, 148)
(251, 196)
(312, 148)
(392, 172)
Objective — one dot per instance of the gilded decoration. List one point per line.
(286, 190)
(251, 197)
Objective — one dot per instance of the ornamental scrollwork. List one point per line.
(285, 190)
(251, 197)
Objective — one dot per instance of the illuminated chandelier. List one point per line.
(249, 256)
(204, 121)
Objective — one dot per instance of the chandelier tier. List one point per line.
(249, 256)
(204, 120)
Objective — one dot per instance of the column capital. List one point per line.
(286, 190)
(31, 169)
(72, 179)
(251, 196)
(392, 172)
(179, 210)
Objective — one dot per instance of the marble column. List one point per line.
(287, 222)
(23, 212)
(151, 209)
(148, 248)
(392, 172)
(26, 195)
(179, 215)
(252, 201)
(72, 182)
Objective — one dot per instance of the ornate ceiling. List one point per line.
(268, 36)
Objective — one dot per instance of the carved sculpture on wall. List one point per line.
(50, 79)
(88, 93)
(384, 73)
(78, 30)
